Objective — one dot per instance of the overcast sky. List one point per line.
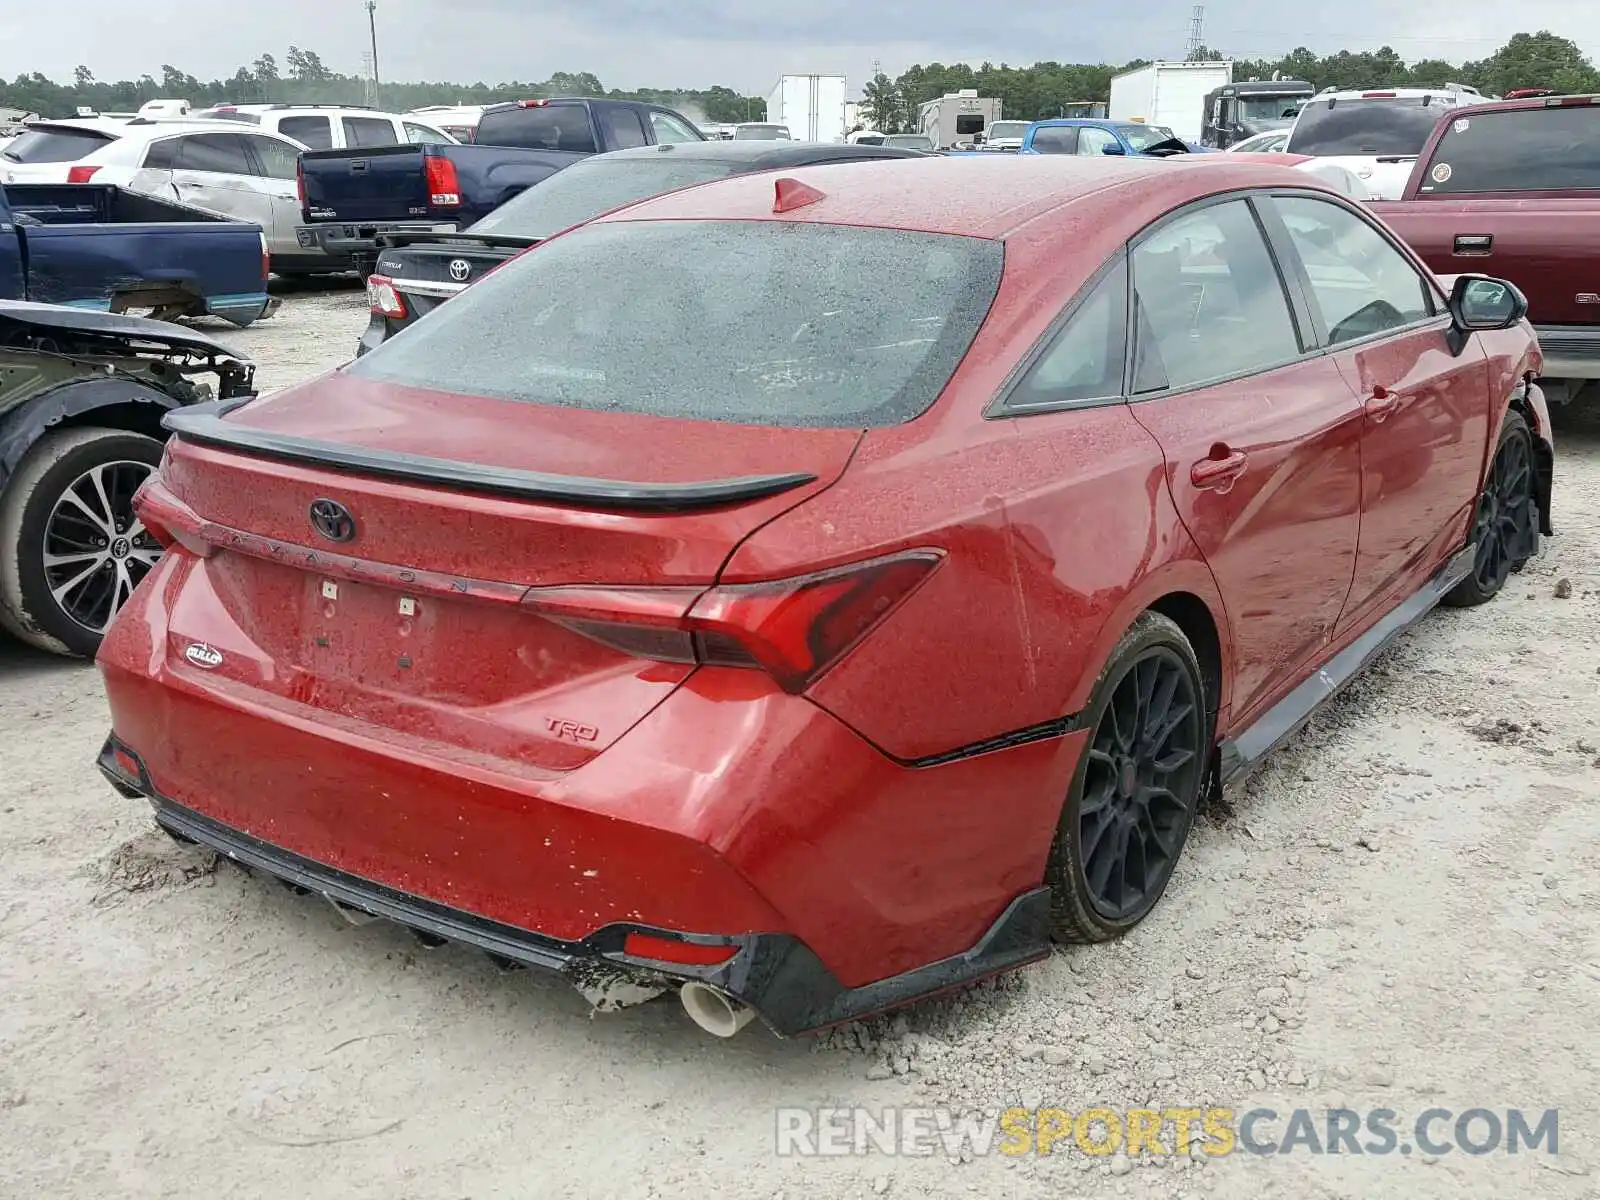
(744, 44)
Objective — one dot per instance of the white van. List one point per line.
(332, 126)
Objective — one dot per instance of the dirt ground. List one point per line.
(1402, 910)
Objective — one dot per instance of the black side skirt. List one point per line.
(1240, 755)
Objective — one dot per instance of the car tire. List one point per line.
(1142, 772)
(1505, 524)
(39, 517)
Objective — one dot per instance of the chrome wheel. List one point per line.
(95, 549)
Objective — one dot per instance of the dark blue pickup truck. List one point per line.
(350, 197)
(100, 246)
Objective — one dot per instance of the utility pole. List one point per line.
(372, 28)
(1197, 39)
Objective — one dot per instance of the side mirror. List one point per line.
(1114, 148)
(1480, 302)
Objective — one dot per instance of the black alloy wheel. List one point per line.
(1505, 528)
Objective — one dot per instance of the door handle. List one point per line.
(1220, 470)
(1381, 403)
(1474, 244)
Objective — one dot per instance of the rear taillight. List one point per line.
(266, 259)
(80, 174)
(1377, 95)
(168, 520)
(383, 299)
(300, 184)
(793, 629)
(444, 189)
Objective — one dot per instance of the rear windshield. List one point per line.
(551, 127)
(1366, 128)
(54, 145)
(909, 141)
(1008, 129)
(589, 188)
(1525, 150)
(753, 322)
(760, 133)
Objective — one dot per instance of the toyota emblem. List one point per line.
(332, 520)
(460, 268)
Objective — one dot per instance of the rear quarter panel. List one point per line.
(1058, 531)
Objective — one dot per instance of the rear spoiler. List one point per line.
(204, 424)
(398, 241)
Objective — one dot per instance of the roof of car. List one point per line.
(765, 155)
(992, 196)
(1580, 101)
(1093, 123)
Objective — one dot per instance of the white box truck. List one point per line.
(811, 107)
(1168, 93)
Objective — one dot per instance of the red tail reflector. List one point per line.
(444, 189)
(793, 629)
(80, 174)
(790, 194)
(670, 950)
(383, 299)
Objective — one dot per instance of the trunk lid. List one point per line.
(413, 624)
(429, 273)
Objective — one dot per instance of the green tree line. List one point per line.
(1042, 90)
(302, 78)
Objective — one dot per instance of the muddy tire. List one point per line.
(1133, 797)
(71, 551)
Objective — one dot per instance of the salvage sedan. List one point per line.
(813, 592)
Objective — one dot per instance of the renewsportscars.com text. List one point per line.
(1210, 1131)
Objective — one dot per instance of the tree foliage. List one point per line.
(1042, 90)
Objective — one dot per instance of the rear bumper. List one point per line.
(731, 813)
(775, 974)
(1570, 351)
(360, 238)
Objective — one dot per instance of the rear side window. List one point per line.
(54, 145)
(220, 153)
(622, 128)
(369, 131)
(1525, 150)
(421, 135)
(316, 133)
(163, 155)
(1395, 127)
(1056, 139)
(278, 160)
(753, 322)
(1084, 362)
(548, 127)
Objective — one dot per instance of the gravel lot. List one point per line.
(1401, 911)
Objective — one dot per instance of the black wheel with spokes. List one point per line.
(1505, 526)
(1136, 788)
(71, 549)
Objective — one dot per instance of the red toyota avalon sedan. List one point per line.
(812, 592)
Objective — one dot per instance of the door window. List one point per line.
(219, 153)
(1084, 362)
(1360, 283)
(421, 135)
(1056, 139)
(1094, 141)
(277, 160)
(622, 128)
(315, 133)
(669, 129)
(369, 131)
(1209, 300)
